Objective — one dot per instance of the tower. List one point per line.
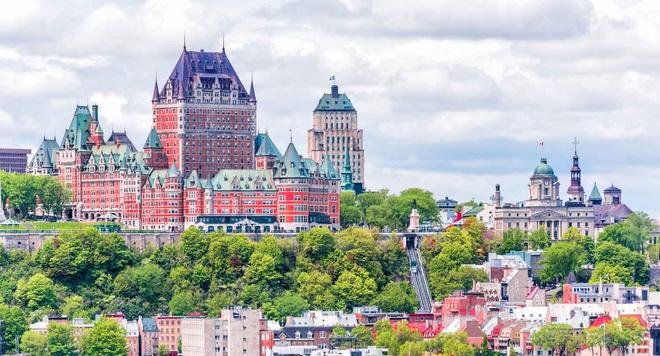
(594, 197)
(204, 116)
(575, 191)
(153, 151)
(543, 186)
(497, 198)
(335, 129)
(413, 225)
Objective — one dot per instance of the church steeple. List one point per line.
(575, 190)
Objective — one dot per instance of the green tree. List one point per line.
(184, 302)
(633, 233)
(539, 239)
(462, 278)
(194, 244)
(557, 337)
(229, 256)
(38, 292)
(354, 288)
(621, 333)
(512, 240)
(349, 213)
(400, 206)
(653, 253)
(262, 271)
(615, 254)
(60, 340)
(143, 285)
(316, 244)
(288, 304)
(397, 297)
(560, 259)
(106, 338)
(34, 343)
(608, 273)
(15, 325)
(363, 336)
(316, 288)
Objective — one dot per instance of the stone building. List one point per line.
(335, 134)
(544, 208)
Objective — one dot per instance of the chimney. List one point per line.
(95, 112)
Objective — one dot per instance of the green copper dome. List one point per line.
(544, 169)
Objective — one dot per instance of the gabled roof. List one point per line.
(153, 140)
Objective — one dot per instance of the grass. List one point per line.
(47, 226)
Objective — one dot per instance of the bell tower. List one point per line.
(575, 190)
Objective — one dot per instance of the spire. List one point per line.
(156, 95)
(223, 42)
(184, 41)
(153, 140)
(253, 96)
(346, 171)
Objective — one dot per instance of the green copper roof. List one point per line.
(291, 166)
(595, 194)
(153, 140)
(346, 171)
(266, 147)
(172, 172)
(328, 169)
(77, 135)
(544, 169)
(243, 179)
(334, 101)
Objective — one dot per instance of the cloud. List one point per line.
(452, 96)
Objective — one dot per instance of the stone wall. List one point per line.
(137, 241)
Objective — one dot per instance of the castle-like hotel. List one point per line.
(204, 163)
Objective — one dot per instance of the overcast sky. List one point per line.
(453, 96)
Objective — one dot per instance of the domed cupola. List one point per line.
(544, 169)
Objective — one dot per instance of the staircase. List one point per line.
(418, 275)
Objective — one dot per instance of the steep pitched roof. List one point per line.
(243, 179)
(265, 146)
(328, 169)
(122, 139)
(291, 165)
(595, 194)
(45, 154)
(204, 66)
(172, 172)
(78, 134)
(153, 140)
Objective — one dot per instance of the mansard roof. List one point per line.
(45, 154)
(203, 66)
(193, 180)
(243, 179)
(291, 166)
(153, 140)
(334, 101)
(264, 146)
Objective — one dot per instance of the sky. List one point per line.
(453, 96)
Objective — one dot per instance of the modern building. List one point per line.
(14, 159)
(544, 208)
(335, 134)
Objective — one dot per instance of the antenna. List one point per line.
(290, 136)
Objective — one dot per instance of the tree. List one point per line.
(363, 336)
(184, 302)
(22, 191)
(560, 259)
(621, 333)
(349, 213)
(37, 293)
(512, 240)
(194, 244)
(397, 297)
(316, 288)
(461, 278)
(229, 256)
(15, 325)
(288, 304)
(401, 205)
(262, 271)
(143, 285)
(354, 288)
(615, 254)
(608, 273)
(316, 244)
(34, 343)
(633, 233)
(60, 340)
(106, 338)
(539, 239)
(557, 337)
